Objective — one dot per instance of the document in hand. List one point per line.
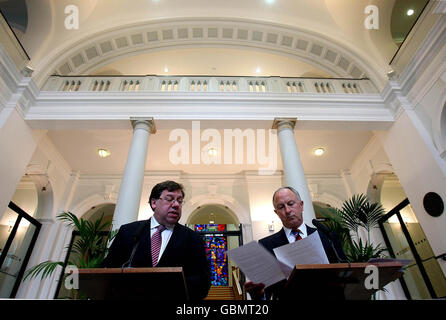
(260, 266)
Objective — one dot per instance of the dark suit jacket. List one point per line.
(185, 249)
(279, 239)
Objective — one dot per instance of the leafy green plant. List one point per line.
(336, 225)
(357, 213)
(359, 252)
(90, 248)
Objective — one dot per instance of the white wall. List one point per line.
(16, 154)
(416, 163)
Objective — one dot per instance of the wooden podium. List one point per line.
(338, 281)
(133, 283)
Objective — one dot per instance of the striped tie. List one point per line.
(296, 233)
(156, 244)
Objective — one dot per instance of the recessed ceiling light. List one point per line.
(270, 1)
(211, 221)
(410, 12)
(258, 70)
(318, 152)
(212, 152)
(166, 69)
(103, 153)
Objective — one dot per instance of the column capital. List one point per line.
(148, 123)
(283, 123)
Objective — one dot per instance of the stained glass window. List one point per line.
(216, 246)
(210, 227)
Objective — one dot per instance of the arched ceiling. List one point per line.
(210, 61)
(213, 213)
(328, 35)
(247, 36)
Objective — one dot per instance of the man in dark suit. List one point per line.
(163, 242)
(289, 208)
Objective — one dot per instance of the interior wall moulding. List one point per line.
(82, 56)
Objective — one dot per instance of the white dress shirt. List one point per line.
(165, 235)
(291, 237)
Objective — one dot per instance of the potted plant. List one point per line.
(356, 214)
(89, 249)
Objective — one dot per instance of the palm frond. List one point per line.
(360, 252)
(359, 212)
(335, 224)
(356, 212)
(46, 268)
(89, 248)
(70, 218)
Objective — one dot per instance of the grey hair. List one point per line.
(289, 188)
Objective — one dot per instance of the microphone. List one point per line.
(327, 232)
(136, 240)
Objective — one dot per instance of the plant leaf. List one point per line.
(46, 268)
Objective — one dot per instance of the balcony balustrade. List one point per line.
(170, 84)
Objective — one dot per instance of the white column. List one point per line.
(127, 206)
(292, 165)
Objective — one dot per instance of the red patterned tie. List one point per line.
(156, 244)
(296, 233)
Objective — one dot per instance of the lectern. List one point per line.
(339, 280)
(133, 283)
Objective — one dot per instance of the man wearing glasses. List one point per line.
(163, 242)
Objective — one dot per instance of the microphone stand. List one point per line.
(137, 239)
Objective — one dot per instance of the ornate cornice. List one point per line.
(88, 54)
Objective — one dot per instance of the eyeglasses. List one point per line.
(170, 200)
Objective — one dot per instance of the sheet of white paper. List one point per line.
(286, 269)
(309, 250)
(257, 263)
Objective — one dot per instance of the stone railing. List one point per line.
(208, 84)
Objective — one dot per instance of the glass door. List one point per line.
(423, 277)
(17, 238)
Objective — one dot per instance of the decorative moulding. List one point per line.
(82, 56)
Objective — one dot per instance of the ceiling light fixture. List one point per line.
(166, 69)
(103, 153)
(410, 12)
(258, 70)
(212, 152)
(318, 152)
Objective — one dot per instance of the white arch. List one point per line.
(302, 44)
(328, 198)
(91, 201)
(242, 214)
(227, 210)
